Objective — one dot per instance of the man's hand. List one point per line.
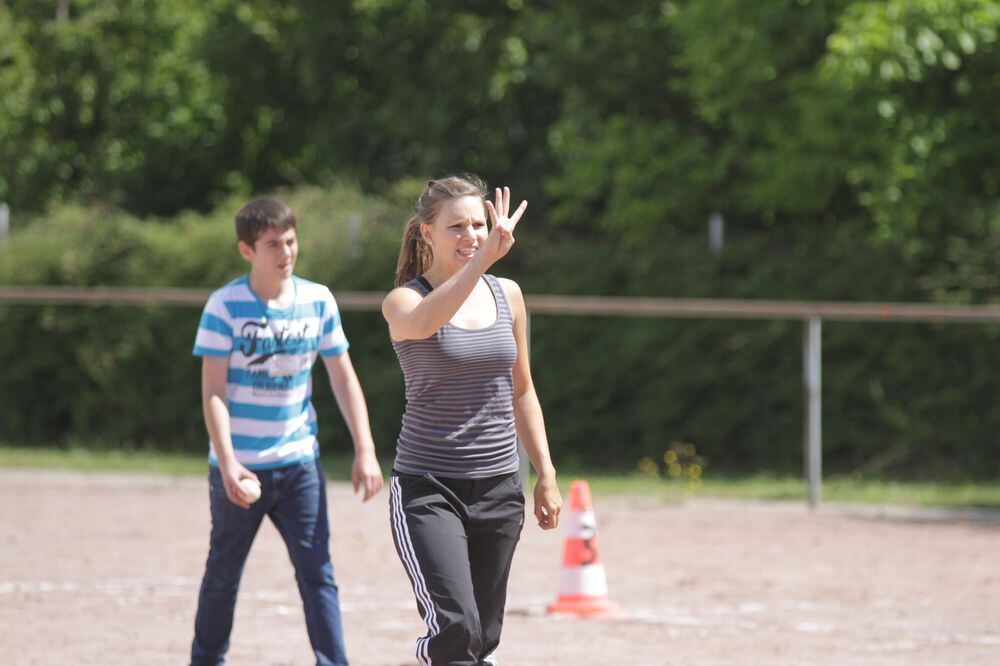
(366, 473)
(232, 473)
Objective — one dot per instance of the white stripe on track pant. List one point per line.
(456, 540)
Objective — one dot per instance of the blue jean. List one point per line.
(294, 498)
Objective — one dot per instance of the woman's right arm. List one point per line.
(412, 317)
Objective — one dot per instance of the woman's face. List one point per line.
(458, 231)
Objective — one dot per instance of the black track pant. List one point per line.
(456, 539)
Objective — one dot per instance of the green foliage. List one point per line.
(917, 80)
(903, 400)
(174, 104)
(111, 105)
(849, 144)
(642, 117)
(873, 116)
(126, 373)
(897, 399)
(749, 68)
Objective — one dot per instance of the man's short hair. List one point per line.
(261, 214)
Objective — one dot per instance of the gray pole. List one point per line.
(353, 233)
(4, 221)
(716, 232)
(811, 361)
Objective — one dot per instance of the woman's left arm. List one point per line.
(528, 417)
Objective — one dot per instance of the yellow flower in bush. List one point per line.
(648, 466)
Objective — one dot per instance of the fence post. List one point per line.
(4, 221)
(813, 430)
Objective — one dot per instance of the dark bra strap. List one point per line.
(427, 285)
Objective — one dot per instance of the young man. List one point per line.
(258, 338)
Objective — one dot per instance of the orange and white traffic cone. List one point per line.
(583, 588)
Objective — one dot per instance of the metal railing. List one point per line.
(811, 313)
(605, 306)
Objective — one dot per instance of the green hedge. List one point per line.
(125, 374)
(908, 400)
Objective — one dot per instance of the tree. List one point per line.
(921, 77)
(109, 104)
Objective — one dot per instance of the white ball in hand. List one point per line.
(250, 490)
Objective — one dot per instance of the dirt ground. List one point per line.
(104, 569)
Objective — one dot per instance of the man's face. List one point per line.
(273, 254)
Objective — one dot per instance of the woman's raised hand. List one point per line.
(501, 237)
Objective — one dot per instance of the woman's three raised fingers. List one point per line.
(503, 201)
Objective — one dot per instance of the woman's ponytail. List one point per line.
(414, 254)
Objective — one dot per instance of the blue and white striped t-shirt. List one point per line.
(271, 353)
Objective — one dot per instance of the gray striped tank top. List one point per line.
(459, 418)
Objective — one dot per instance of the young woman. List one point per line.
(461, 337)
